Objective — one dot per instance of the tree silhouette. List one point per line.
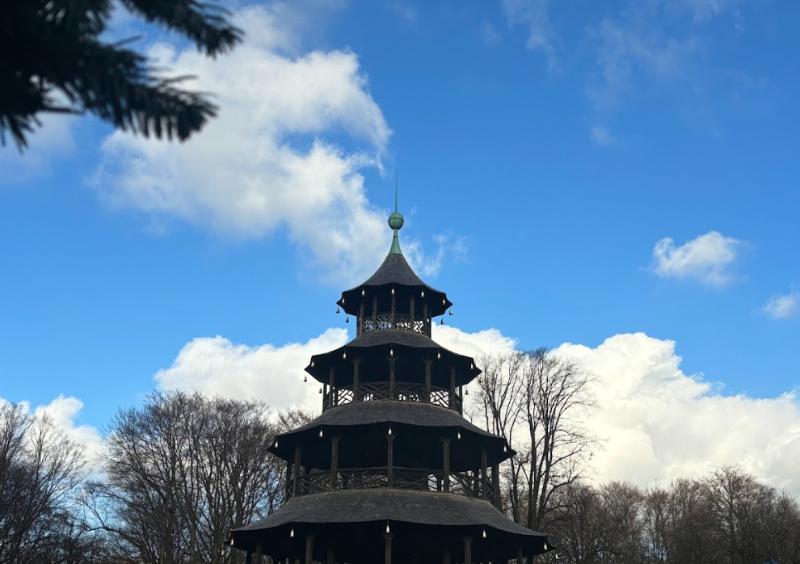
(52, 59)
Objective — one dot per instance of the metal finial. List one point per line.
(396, 184)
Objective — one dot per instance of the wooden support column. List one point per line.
(374, 310)
(387, 548)
(446, 463)
(330, 555)
(428, 364)
(411, 309)
(258, 555)
(360, 322)
(446, 555)
(324, 397)
(332, 394)
(249, 558)
(296, 481)
(334, 460)
(468, 550)
(484, 480)
(451, 402)
(356, 390)
(425, 319)
(394, 310)
(498, 502)
(289, 485)
(520, 558)
(309, 549)
(390, 458)
(391, 377)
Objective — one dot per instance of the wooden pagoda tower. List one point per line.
(391, 470)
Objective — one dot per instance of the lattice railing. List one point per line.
(419, 479)
(384, 322)
(403, 391)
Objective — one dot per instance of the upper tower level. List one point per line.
(394, 298)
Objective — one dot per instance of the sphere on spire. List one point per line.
(396, 220)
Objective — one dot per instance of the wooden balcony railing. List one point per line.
(384, 322)
(468, 484)
(402, 391)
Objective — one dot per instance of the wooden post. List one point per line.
(446, 555)
(331, 558)
(374, 311)
(334, 459)
(258, 554)
(468, 550)
(446, 463)
(289, 479)
(498, 502)
(387, 548)
(296, 481)
(249, 558)
(332, 394)
(483, 473)
(390, 458)
(394, 311)
(360, 322)
(391, 377)
(309, 549)
(520, 557)
(324, 396)
(356, 391)
(452, 399)
(428, 364)
(411, 309)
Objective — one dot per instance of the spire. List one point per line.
(395, 222)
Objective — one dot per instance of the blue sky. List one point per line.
(544, 149)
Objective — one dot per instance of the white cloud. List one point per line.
(534, 16)
(656, 423)
(274, 374)
(707, 258)
(63, 411)
(783, 306)
(286, 152)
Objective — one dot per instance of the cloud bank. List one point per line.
(655, 422)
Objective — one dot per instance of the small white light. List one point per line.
(458, 435)
(362, 292)
(472, 366)
(505, 448)
(390, 431)
(320, 433)
(544, 546)
(393, 291)
(276, 443)
(438, 355)
(388, 530)
(231, 542)
(344, 355)
(422, 294)
(312, 364)
(484, 533)
(443, 302)
(291, 532)
(391, 352)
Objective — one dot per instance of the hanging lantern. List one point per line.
(344, 355)
(441, 322)
(305, 378)
(422, 294)
(362, 292)
(389, 432)
(450, 312)
(347, 319)
(276, 443)
(505, 448)
(438, 355)
(391, 352)
(388, 530)
(337, 309)
(483, 534)
(320, 433)
(393, 291)
(312, 364)
(466, 392)
(472, 366)
(291, 533)
(458, 435)
(231, 542)
(443, 301)
(544, 546)
(320, 390)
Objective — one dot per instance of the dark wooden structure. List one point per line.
(391, 471)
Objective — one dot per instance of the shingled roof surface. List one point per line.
(406, 338)
(394, 270)
(360, 506)
(388, 411)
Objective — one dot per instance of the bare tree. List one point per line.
(537, 400)
(39, 471)
(181, 472)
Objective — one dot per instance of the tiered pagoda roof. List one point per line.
(391, 469)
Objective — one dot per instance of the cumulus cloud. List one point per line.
(63, 412)
(295, 132)
(655, 422)
(602, 136)
(658, 423)
(274, 374)
(783, 306)
(707, 258)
